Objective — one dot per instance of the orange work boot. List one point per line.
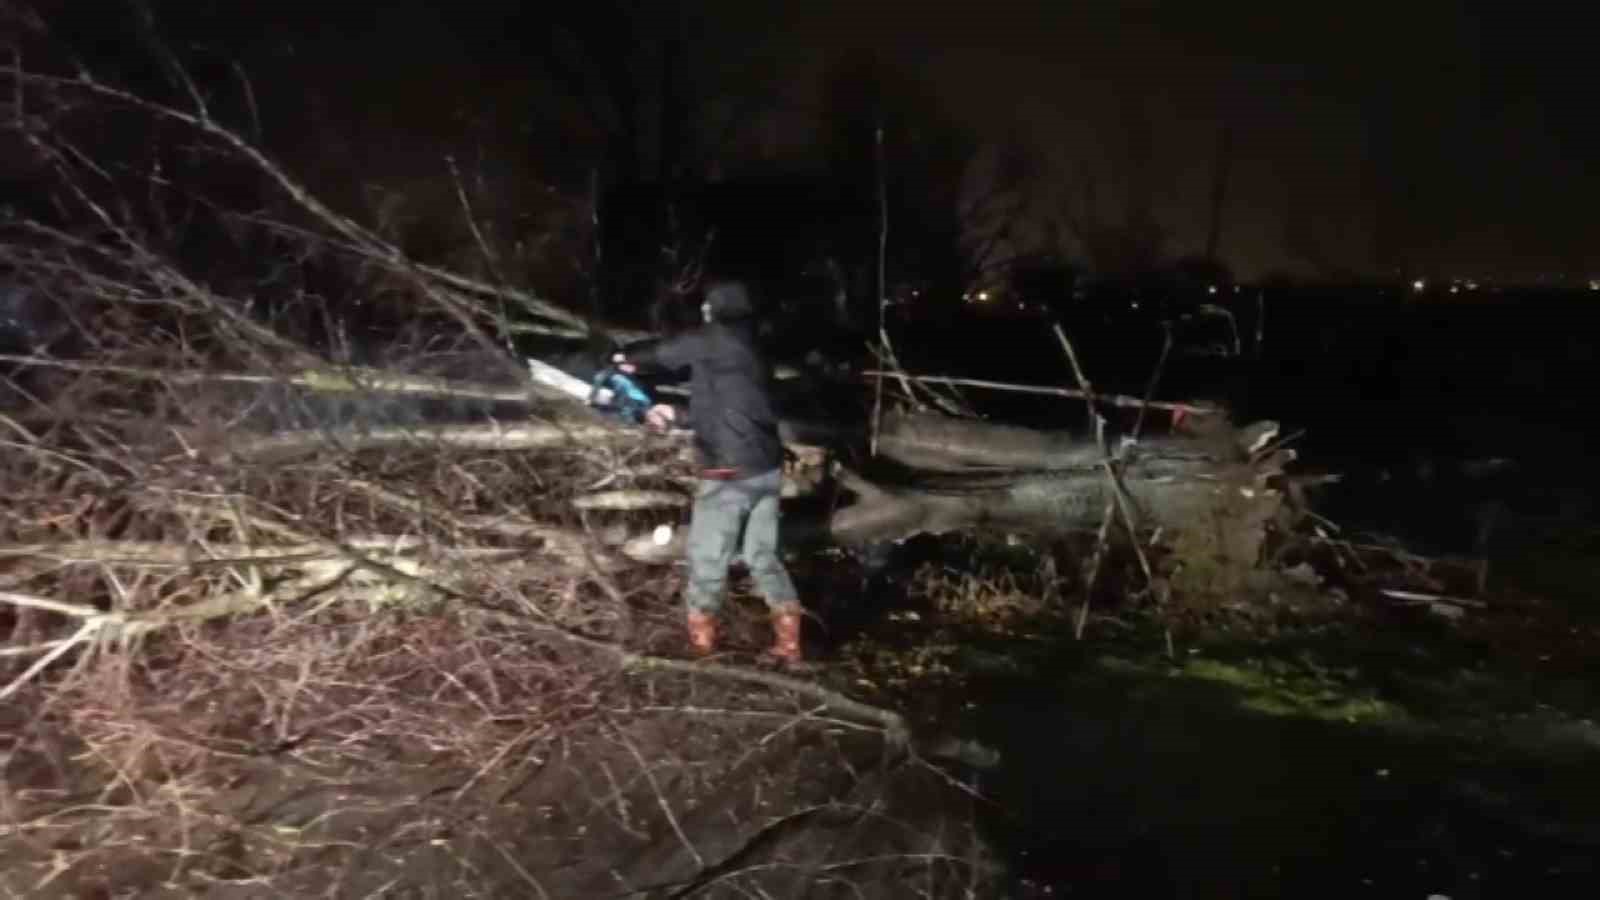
(786, 633)
(702, 633)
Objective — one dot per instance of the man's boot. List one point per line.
(702, 633)
(786, 634)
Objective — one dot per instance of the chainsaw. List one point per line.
(611, 391)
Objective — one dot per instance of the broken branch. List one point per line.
(1118, 400)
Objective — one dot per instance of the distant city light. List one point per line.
(1455, 289)
(1594, 284)
(1213, 289)
(983, 296)
(1419, 285)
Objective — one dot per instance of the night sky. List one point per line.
(1424, 137)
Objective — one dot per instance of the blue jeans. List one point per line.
(722, 510)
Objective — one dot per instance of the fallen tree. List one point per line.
(254, 648)
(1049, 484)
(951, 474)
(259, 643)
(1211, 497)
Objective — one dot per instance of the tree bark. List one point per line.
(953, 475)
(1212, 493)
(1044, 482)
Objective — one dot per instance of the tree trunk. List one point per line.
(974, 474)
(1210, 494)
(1210, 484)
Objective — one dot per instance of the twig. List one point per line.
(28, 601)
(1211, 309)
(661, 799)
(883, 289)
(893, 724)
(895, 727)
(1416, 597)
(730, 866)
(55, 460)
(1047, 390)
(1087, 389)
(29, 651)
(885, 357)
(952, 405)
(489, 257)
(249, 99)
(1155, 378)
(28, 436)
(750, 714)
(520, 869)
(1101, 544)
(84, 632)
(477, 289)
(1119, 493)
(1261, 322)
(362, 238)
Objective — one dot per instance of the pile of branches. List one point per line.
(258, 642)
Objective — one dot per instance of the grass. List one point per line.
(1275, 777)
(1361, 754)
(1273, 688)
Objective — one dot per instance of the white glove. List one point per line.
(660, 417)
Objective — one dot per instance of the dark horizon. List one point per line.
(1378, 143)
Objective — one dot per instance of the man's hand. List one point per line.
(660, 417)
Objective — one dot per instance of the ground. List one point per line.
(1334, 748)
(1302, 736)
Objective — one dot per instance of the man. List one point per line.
(741, 458)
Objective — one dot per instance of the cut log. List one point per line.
(618, 501)
(1169, 492)
(1211, 496)
(576, 431)
(938, 443)
(954, 474)
(285, 445)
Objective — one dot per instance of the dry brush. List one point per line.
(261, 642)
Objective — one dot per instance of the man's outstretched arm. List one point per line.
(672, 353)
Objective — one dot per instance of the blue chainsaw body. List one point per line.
(616, 394)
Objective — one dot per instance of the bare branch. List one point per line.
(1048, 390)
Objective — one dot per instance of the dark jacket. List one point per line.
(730, 400)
